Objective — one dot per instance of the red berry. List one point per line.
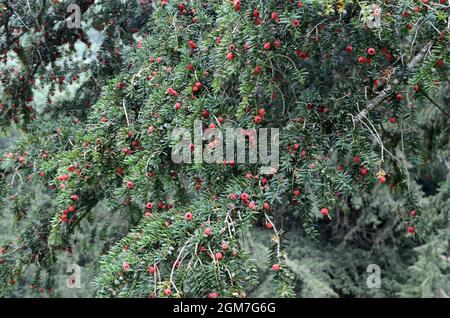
(382, 179)
(262, 112)
(104, 119)
(410, 229)
(267, 46)
(120, 85)
(230, 56)
(244, 196)
(275, 16)
(252, 205)
(188, 216)
(74, 197)
(364, 171)
(393, 120)
(152, 269)
(205, 113)
(371, 51)
(399, 97)
(213, 295)
(269, 225)
(266, 206)
(207, 231)
(296, 193)
(349, 48)
(276, 267)
(130, 185)
(192, 44)
(413, 213)
(167, 291)
(324, 211)
(126, 267)
(218, 256)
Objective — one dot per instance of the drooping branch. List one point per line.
(415, 61)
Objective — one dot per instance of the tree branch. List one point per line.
(415, 61)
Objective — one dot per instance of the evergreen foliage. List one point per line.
(358, 89)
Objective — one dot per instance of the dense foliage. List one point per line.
(358, 89)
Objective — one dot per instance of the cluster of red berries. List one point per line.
(196, 88)
(260, 116)
(65, 217)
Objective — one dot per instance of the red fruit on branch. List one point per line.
(213, 295)
(192, 44)
(205, 113)
(151, 269)
(167, 291)
(244, 196)
(274, 16)
(207, 231)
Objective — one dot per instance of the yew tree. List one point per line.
(346, 83)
